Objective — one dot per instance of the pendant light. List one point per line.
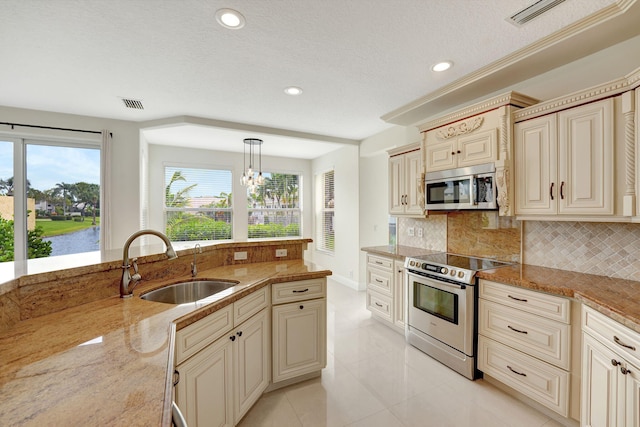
(248, 174)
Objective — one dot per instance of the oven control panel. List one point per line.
(445, 272)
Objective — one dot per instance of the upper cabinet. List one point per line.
(564, 162)
(475, 135)
(405, 178)
(575, 156)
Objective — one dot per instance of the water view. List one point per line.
(86, 240)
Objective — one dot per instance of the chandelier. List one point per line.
(248, 174)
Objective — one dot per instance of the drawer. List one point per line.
(380, 305)
(198, 335)
(380, 280)
(300, 290)
(534, 378)
(543, 338)
(380, 262)
(545, 305)
(618, 337)
(251, 304)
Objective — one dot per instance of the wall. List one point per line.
(124, 159)
(344, 261)
(159, 155)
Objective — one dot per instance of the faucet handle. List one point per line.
(135, 265)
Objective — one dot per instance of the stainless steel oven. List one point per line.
(442, 300)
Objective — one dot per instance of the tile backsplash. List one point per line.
(434, 232)
(607, 249)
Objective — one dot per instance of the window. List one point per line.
(325, 213)
(274, 207)
(197, 204)
(49, 200)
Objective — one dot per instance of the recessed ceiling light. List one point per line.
(442, 66)
(230, 18)
(293, 90)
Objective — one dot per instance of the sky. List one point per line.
(49, 165)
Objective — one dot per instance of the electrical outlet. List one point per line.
(419, 232)
(281, 252)
(238, 256)
(411, 231)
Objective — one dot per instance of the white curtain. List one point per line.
(105, 192)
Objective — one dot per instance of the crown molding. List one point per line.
(594, 93)
(507, 98)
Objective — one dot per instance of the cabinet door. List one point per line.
(204, 392)
(251, 362)
(632, 401)
(600, 385)
(299, 338)
(396, 185)
(536, 166)
(586, 159)
(441, 156)
(413, 172)
(476, 149)
(399, 291)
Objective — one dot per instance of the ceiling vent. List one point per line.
(533, 11)
(133, 103)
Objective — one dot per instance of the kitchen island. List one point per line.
(110, 361)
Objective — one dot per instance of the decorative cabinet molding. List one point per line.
(477, 134)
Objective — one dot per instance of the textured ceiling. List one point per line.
(356, 60)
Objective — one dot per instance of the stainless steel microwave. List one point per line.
(460, 189)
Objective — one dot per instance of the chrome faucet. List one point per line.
(127, 278)
(194, 269)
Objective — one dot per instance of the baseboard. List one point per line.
(350, 283)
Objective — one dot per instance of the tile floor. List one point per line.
(374, 379)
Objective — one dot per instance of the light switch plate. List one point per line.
(411, 231)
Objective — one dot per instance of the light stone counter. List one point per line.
(109, 362)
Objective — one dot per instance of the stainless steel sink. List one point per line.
(185, 292)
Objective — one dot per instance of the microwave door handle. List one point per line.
(474, 190)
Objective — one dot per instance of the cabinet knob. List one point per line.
(239, 333)
(301, 307)
(232, 337)
(614, 362)
(458, 151)
(453, 153)
(624, 370)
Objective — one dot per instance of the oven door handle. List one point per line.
(439, 282)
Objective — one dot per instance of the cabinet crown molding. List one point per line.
(508, 98)
(612, 88)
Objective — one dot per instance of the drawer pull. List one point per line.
(379, 281)
(176, 377)
(516, 372)
(300, 292)
(517, 330)
(620, 343)
(517, 299)
(378, 304)
(378, 262)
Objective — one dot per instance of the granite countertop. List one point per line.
(616, 298)
(109, 362)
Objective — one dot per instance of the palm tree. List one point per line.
(88, 195)
(64, 189)
(181, 197)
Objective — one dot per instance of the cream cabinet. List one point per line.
(525, 341)
(463, 151)
(299, 328)
(405, 172)
(385, 290)
(223, 362)
(610, 372)
(565, 162)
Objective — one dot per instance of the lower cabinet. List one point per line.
(386, 290)
(299, 328)
(610, 373)
(220, 383)
(524, 341)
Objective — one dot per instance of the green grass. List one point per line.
(56, 228)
